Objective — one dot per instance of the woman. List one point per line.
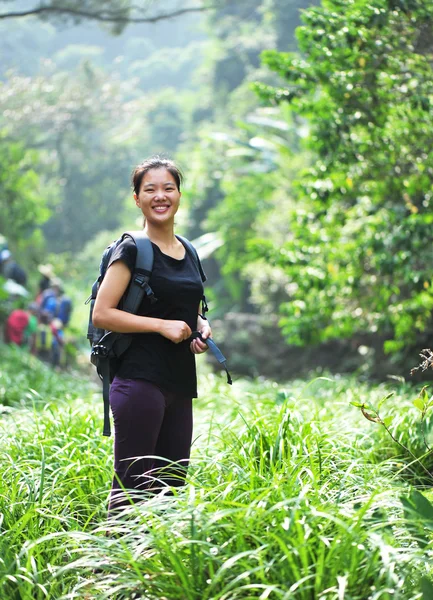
(151, 395)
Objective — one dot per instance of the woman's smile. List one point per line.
(161, 208)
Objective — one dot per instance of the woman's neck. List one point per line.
(163, 235)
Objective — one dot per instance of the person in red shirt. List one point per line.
(21, 325)
(15, 326)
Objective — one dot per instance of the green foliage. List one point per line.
(173, 66)
(22, 202)
(358, 247)
(48, 449)
(25, 380)
(5, 303)
(241, 155)
(76, 120)
(220, 149)
(281, 500)
(427, 589)
(403, 432)
(251, 167)
(419, 515)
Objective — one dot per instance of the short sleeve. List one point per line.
(202, 273)
(194, 255)
(126, 251)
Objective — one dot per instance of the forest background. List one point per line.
(304, 130)
(307, 162)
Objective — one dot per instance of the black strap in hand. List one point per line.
(215, 351)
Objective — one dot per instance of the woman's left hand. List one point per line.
(197, 346)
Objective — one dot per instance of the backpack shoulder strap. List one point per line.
(144, 260)
(194, 255)
(139, 285)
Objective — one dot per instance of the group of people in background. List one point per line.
(39, 325)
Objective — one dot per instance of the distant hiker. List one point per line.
(47, 275)
(21, 326)
(43, 339)
(9, 269)
(151, 394)
(5, 257)
(57, 343)
(30, 332)
(64, 308)
(50, 297)
(16, 324)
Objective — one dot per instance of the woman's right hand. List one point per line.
(175, 331)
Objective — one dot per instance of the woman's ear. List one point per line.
(136, 199)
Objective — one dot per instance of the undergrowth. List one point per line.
(290, 495)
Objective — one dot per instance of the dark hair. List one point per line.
(155, 162)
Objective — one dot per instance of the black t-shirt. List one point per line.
(178, 287)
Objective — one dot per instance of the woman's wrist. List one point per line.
(152, 325)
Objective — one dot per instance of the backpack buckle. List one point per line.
(99, 350)
(143, 282)
(140, 281)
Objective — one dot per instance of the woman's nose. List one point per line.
(159, 194)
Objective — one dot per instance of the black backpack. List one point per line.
(107, 347)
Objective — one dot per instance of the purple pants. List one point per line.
(152, 438)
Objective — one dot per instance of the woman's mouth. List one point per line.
(161, 208)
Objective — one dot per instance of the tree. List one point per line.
(118, 14)
(359, 249)
(86, 128)
(241, 31)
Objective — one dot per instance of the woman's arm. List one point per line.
(106, 315)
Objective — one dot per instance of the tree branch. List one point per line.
(107, 18)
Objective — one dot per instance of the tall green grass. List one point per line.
(25, 380)
(291, 494)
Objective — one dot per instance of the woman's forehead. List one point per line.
(161, 175)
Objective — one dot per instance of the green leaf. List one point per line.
(427, 589)
(416, 504)
(418, 512)
(423, 394)
(384, 399)
(419, 404)
(387, 420)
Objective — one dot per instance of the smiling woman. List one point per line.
(151, 395)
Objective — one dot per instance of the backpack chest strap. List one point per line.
(138, 288)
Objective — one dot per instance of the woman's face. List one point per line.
(158, 197)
